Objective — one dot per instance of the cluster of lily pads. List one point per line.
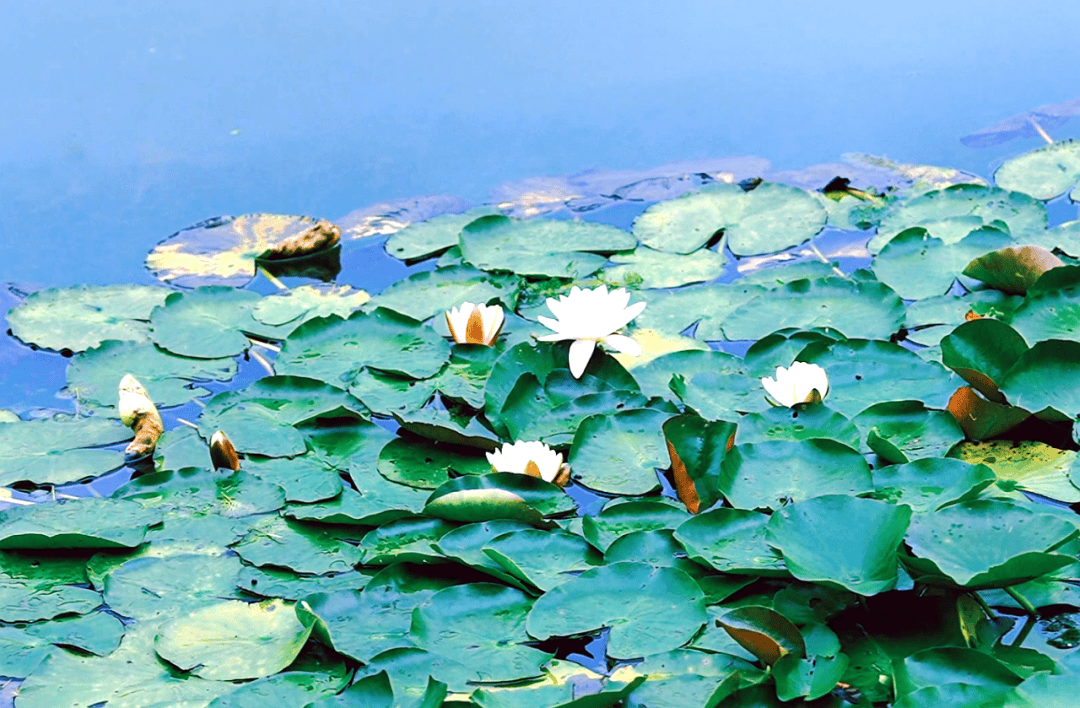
(521, 476)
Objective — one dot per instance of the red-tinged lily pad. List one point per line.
(697, 447)
(764, 632)
(982, 351)
(1013, 270)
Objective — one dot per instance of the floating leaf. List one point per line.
(60, 450)
(423, 239)
(750, 477)
(84, 316)
(658, 269)
(557, 249)
(1025, 385)
(902, 431)
(76, 523)
(620, 453)
(1013, 270)
(841, 541)
(334, 350)
(306, 302)
(428, 293)
(870, 309)
(233, 640)
(543, 559)
(425, 465)
(696, 448)
(34, 600)
(985, 543)
(148, 588)
(731, 541)
(649, 610)
(500, 495)
(1026, 465)
(482, 625)
(932, 483)
(765, 633)
(387, 218)
(916, 265)
(301, 547)
(222, 250)
(1044, 173)
(1050, 314)
(621, 517)
(802, 422)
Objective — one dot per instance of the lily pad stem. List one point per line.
(1022, 601)
(1039, 129)
(264, 345)
(277, 283)
(1022, 635)
(188, 423)
(990, 614)
(826, 261)
(262, 361)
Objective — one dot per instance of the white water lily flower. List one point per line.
(801, 383)
(533, 458)
(475, 324)
(588, 317)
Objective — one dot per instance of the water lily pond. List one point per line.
(699, 439)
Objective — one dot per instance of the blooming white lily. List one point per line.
(588, 317)
(801, 383)
(475, 324)
(533, 458)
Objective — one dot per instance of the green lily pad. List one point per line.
(697, 448)
(941, 666)
(916, 265)
(23, 648)
(207, 323)
(841, 541)
(84, 316)
(429, 293)
(306, 302)
(428, 238)
(1044, 173)
(381, 502)
(33, 600)
(406, 540)
(1052, 314)
(649, 610)
(658, 269)
(425, 465)
(712, 384)
(273, 583)
(201, 491)
(671, 312)
(867, 309)
(902, 431)
(951, 214)
(76, 523)
(985, 543)
(864, 372)
(556, 249)
(223, 250)
(764, 632)
(1025, 385)
(798, 423)
(931, 483)
(769, 218)
(982, 352)
(59, 450)
(149, 587)
(618, 519)
(731, 541)
(1026, 465)
(1013, 270)
(93, 377)
(619, 453)
(233, 640)
(304, 548)
(333, 350)
(304, 479)
(750, 476)
(288, 688)
(543, 559)
(386, 395)
(499, 495)
(363, 624)
(482, 625)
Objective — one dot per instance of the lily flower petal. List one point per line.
(580, 353)
(475, 324)
(622, 344)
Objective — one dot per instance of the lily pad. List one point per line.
(428, 238)
(34, 600)
(207, 323)
(620, 453)
(802, 422)
(170, 380)
(543, 559)
(916, 265)
(1044, 173)
(233, 640)
(406, 540)
(731, 541)
(841, 541)
(201, 491)
(276, 541)
(84, 316)
(148, 587)
(428, 293)
(932, 483)
(868, 309)
(557, 249)
(59, 450)
(618, 519)
(76, 523)
(1051, 314)
(306, 302)
(649, 610)
(425, 465)
(1025, 385)
(672, 312)
(482, 625)
(333, 350)
(902, 431)
(952, 213)
(1013, 270)
(659, 269)
(753, 476)
(697, 448)
(499, 495)
(1026, 465)
(985, 543)
(222, 250)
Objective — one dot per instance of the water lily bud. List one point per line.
(588, 317)
(222, 453)
(475, 324)
(531, 458)
(140, 414)
(801, 383)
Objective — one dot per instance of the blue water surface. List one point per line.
(124, 121)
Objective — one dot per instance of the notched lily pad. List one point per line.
(76, 523)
